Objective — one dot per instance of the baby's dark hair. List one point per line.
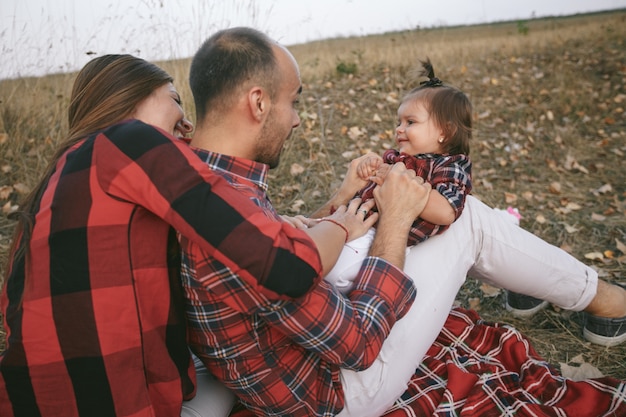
(450, 108)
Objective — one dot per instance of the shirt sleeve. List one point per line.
(344, 330)
(451, 177)
(143, 165)
(348, 330)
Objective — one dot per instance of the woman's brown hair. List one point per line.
(106, 91)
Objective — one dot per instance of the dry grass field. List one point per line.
(550, 138)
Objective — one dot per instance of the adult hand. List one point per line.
(354, 217)
(400, 200)
(299, 221)
(402, 196)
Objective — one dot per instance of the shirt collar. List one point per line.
(255, 172)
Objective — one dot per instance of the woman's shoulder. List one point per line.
(136, 134)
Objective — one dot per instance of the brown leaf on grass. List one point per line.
(594, 256)
(490, 291)
(555, 187)
(355, 132)
(510, 198)
(297, 205)
(571, 164)
(620, 246)
(9, 208)
(296, 169)
(5, 192)
(606, 188)
(540, 219)
(6, 168)
(21, 188)
(597, 217)
(579, 370)
(3, 138)
(474, 303)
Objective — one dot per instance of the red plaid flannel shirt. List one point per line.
(282, 357)
(94, 315)
(449, 175)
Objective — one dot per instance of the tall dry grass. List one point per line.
(550, 136)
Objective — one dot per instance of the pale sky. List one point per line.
(42, 36)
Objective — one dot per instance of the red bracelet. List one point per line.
(338, 224)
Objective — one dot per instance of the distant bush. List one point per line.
(522, 27)
(345, 68)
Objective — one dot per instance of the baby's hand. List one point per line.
(382, 171)
(368, 166)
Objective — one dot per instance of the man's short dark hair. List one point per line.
(227, 61)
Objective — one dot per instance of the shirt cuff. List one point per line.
(379, 278)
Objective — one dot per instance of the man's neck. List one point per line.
(221, 139)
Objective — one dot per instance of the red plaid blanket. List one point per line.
(477, 368)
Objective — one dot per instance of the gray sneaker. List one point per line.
(604, 331)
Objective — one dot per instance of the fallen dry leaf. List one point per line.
(594, 256)
(474, 303)
(581, 372)
(296, 169)
(9, 208)
(555, 187)
(620, 246)
(5, 192)
(297, 205)
(606, 188)
(21, 188)
(598, 217)
(489, 290)
(510, 198)
(570, 229)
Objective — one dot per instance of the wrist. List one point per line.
(335, 222)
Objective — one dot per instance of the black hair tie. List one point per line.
(432, 82)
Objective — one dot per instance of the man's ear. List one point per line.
(258, 102)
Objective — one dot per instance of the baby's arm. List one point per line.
(451, 178)
(438, 210)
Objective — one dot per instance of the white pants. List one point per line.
(485, 245)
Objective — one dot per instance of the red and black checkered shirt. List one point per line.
(282, 357)
(449, 175)
(94, 313)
